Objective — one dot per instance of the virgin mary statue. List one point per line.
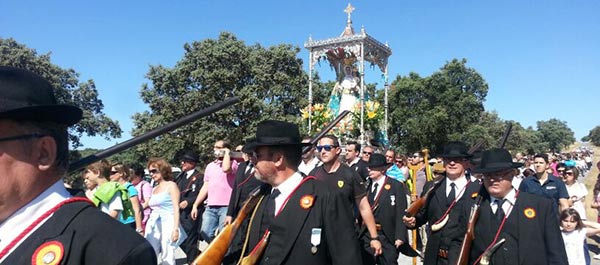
(345, 92)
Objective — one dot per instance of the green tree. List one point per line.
(68, 90)
(594, 136)
(425, 112)
(556, 133)
(270, 82)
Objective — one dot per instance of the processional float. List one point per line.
(347, 55)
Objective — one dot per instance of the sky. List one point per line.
(539, 58)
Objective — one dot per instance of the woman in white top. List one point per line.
(577, 191)
(163, 230)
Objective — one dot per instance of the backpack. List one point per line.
(105, 193)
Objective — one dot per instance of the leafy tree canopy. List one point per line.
(556, 133)
(269, 80)
(68, 90)
(594, 136)
(426, 111)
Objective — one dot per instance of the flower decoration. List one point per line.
(321, 116)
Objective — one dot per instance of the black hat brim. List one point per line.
(497, 168)
(62, 114)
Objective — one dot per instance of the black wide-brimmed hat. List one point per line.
(495, 160)
(455, 149)
(276, 133)
(190, 155)
(27, 96)
(377, 160)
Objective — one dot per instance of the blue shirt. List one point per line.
(553, 189)
(395, 173)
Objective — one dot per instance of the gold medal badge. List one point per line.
(49, 253)
(387, 186)
(474, 195)
(307, 201)
(340, 183)
(529, 213)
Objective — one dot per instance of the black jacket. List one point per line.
(88, 236)
(433, 210)
(291, 230)
(531, 231)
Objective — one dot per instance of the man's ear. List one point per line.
(279, 160)
(46, 153)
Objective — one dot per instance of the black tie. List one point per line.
(452, 193)
(499, 211)
(269, 214)
(373, 192)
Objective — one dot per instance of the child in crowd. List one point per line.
(574, 233)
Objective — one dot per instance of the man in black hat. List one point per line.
(446, 192)
(305, 221)
(39, 221)
(189, 182)
(525, 221)
(388, 199)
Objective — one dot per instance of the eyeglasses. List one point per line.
(327, 147)
(21, 137)
(561, 171)
(238, 150)
(367, 153)
(153, 171)
(415, 156)
(569, 173)
(498, 175)
(114, 172)
(399, 161)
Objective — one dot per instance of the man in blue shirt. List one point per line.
(545, 184)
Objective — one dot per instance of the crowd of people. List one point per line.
(323, 203)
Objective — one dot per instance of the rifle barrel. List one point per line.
(325, 130)
(151, 134)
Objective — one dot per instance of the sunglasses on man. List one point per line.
(327, 147)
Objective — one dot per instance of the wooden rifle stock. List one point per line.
(214, 253)
(416, 206)
(465, 248)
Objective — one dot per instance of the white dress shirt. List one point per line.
(286, 189)
(29, 213)
(459, 183)
(507, 206)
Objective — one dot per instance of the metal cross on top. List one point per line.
(349, 10)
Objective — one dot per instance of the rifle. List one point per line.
(218, 247)
(416, 206)
(151, 134)
(325, 130)
(465, 248)
(214, 253)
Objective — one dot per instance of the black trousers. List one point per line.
(190, 244)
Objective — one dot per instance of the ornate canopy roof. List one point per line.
(348, 45)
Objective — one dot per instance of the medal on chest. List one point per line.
(315, 240)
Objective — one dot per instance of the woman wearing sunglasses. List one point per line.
(577, 191)
(163, 230)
